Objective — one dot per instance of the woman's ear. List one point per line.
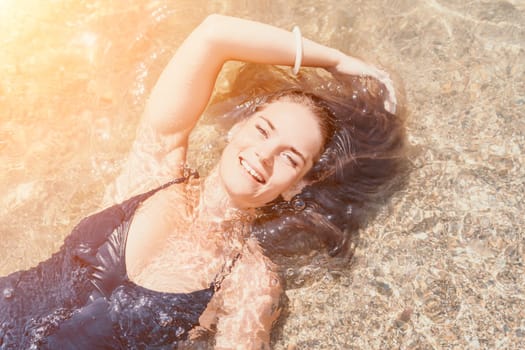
(295, 189)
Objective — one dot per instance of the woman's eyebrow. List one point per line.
(299, 154)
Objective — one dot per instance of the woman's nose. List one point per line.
(265, 152)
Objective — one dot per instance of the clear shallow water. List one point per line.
(441, 266)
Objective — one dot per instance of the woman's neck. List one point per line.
(215, 204)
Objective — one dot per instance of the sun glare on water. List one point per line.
(11, 10)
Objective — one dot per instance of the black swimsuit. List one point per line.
(82, 298)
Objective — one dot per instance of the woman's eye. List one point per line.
(262, 131)
(290, 160)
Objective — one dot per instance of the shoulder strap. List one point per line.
(225, 271)
(130, 205)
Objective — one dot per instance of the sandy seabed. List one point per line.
(442, 264)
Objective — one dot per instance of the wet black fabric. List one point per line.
(81, 297)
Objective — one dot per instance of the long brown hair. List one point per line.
(364, 153)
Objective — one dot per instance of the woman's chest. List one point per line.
(182, 266)
(169, 250)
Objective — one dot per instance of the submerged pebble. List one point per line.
(383, 288)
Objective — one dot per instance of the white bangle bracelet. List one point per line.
(298, 50)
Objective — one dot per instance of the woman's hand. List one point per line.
(354, 66)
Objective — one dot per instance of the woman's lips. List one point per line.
(254, 173)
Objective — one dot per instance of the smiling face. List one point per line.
(269, 153)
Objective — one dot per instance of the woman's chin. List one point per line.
(241, 199)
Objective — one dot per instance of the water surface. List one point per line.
(441, 266)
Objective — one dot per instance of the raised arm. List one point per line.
(183, 89)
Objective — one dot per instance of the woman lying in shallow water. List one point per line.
(185, 259)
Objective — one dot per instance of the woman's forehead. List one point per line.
(285, 110)
(294, 122)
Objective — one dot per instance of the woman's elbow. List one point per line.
(210, 26)
(213, 18)
(215, 31)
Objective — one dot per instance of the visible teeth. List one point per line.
(251, 171)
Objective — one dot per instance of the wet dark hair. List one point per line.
(363, 155)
